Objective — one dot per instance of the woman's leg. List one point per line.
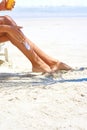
(38, 65)
(7, 20)
(53, 63)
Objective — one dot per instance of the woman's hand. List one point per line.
(3, 5)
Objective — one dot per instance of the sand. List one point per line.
(32, 101)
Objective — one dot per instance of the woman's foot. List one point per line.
(60, 66)
(50, 69)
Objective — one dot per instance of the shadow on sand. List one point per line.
(33, 79)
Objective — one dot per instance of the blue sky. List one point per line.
(30, 3)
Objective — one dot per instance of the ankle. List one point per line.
(41, 68)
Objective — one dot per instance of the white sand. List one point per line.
(30, 101)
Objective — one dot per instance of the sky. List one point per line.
(30, 3)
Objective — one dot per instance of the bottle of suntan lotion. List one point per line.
(9, 4)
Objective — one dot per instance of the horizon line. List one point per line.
(42, 6)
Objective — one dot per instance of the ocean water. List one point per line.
(59, 31)
(45, 12)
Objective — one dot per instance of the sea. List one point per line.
(45, 12)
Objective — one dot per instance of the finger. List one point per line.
(18, 27)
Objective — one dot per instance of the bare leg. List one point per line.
(53, 63)
(38, 64)
(6, 20)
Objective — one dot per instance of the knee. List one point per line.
(7, 19)
(3, 19)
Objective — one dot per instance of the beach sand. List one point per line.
(32, 101)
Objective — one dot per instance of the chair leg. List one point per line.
(6, 54)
